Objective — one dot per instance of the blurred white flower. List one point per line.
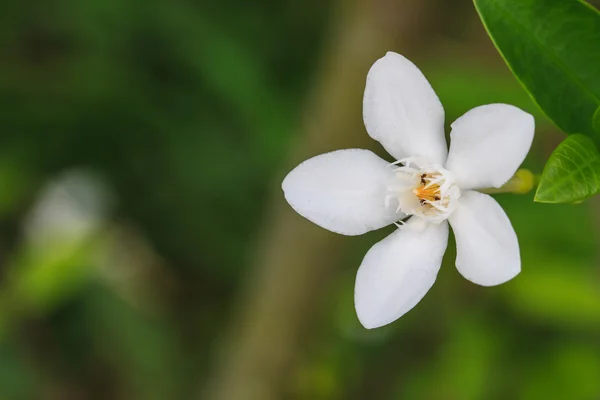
(354, 191)
(69, 209)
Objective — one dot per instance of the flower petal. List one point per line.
(488, 144)
(402, 111)
(343, 191)
(487, 250)
(398, 271)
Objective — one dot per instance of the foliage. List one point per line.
(552, 48)
(572, 172)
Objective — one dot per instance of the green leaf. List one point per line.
(572, 172)
(552, 48)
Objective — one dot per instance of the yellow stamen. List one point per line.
(426, 191)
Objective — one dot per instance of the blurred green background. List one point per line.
(146, 251)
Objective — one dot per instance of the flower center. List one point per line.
(425, 190)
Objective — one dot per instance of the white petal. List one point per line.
(487, 250)
(488, 144)
(398, 271)
(402, 111)
(343, 191)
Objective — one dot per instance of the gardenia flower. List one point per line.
(354, 191)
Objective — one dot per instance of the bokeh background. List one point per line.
(146, 250)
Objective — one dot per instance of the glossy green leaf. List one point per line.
(552, 47)
(572, 172)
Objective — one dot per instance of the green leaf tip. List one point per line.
(572, 172)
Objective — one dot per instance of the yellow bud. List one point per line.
(522, 182)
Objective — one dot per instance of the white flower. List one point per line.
(354, 191)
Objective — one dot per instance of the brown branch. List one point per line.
(295, 259)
